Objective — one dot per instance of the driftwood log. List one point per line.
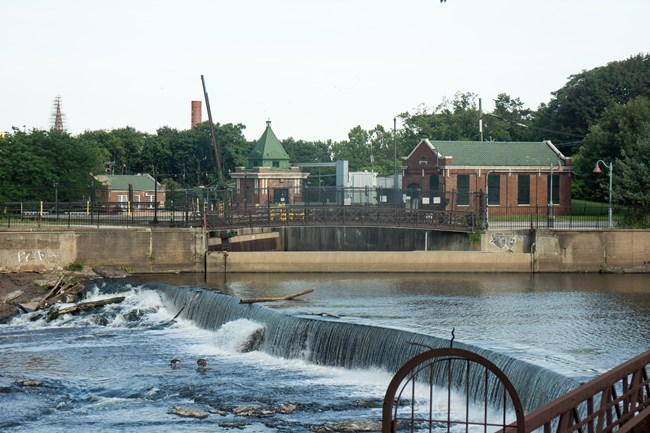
(53, 313)
(49, 294)
(66, 289)
(281, 298)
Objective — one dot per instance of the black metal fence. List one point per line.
(226, 208)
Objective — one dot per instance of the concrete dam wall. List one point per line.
(341, 250)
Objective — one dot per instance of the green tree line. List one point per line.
(599, 114)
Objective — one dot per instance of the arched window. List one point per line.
(414, 190)
(423, 160)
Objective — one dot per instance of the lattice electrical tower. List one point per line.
(57, 116)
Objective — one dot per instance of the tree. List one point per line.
(613, 137)
(586, 96)
(33, 163)
(509, 121)
(633, 183)
(455, 119)
(307, 151)
(355, 149)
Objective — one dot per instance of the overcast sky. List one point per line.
(315, 68)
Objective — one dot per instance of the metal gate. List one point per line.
(445, 390)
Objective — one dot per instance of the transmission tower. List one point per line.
(57, 116)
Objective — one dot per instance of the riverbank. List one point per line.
(23, 291)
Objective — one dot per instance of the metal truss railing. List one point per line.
(617, 401)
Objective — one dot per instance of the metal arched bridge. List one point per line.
(357, 216)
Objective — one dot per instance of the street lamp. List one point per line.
(610, 167)
(550, 198)
(395, 176)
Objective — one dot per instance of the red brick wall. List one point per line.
(419, 174)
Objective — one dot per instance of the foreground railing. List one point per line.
(617, 401)
(420, 396)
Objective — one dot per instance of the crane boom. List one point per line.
(213, 136)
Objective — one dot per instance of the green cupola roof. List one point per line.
(268, 152)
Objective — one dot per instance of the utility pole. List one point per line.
(480, 118)
(395, 176)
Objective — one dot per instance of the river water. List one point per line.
(269, 369)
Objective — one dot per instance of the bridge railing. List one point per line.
(617, 401)
(278, 216)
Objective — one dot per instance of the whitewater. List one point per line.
(282, 368)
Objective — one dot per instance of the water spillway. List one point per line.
(337, 343)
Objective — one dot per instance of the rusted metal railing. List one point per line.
(617, 401)
(359, 216)
(419, 398)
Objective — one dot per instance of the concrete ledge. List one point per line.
(368, 262)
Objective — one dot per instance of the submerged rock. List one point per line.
(110, 272)
(29, 382)
(189, 412)
(350, 426)
(252, 411)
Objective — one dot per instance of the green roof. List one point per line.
(267, 150)
(121, 182)
(500, 153)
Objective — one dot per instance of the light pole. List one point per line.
(395, 176)
(610, 167)
(550, 198)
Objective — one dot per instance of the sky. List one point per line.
(316, 69)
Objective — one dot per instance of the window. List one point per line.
(423, 161)
(122, 200)
(434, 185)
(494, 189)
(463, 189)
(555, 194)
(280, 195)
(523, 189)
(276, 164)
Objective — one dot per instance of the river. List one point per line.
(109, 370)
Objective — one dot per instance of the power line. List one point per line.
(568, 134)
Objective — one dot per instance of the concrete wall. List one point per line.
(367, 262)
(184, 250)
(592, 251)
(137, 250)
(373, 239)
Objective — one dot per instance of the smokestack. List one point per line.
(196, 113)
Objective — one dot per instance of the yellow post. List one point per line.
(128, 208)
(87, 207)
(41, 210)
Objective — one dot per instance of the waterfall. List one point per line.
(340, 344)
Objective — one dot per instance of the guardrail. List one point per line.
(617, 401)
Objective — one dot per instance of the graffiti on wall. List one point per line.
(37, 256)
(505, 241)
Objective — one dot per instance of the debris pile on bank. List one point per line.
(27, 292)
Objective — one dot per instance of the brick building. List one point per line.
(465, 174)
(268, 178)
(139, 189)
